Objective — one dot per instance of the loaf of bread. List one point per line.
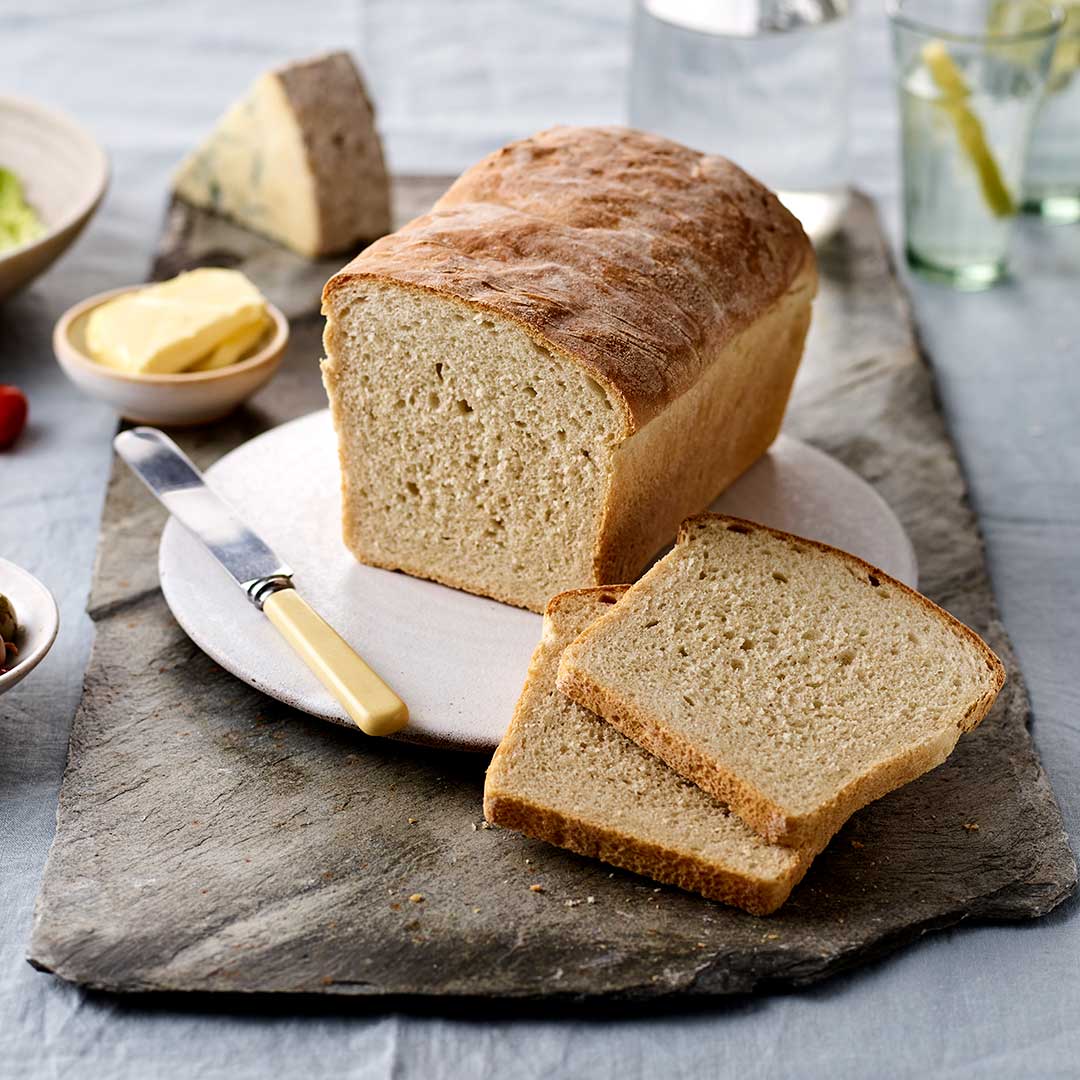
(591, 335)
(563, 775)
(791, 680)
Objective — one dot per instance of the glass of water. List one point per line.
(762, 82)
(971, 76)
(1052, 178)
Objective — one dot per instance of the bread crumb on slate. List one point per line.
(536, 888)
(971, 826)
(417, 898)
(413, 821)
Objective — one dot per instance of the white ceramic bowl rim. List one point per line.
(188, 378)
(42, 625)
(94, 151)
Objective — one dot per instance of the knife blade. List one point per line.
(265, 579)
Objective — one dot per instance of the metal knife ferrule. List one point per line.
(261, 588)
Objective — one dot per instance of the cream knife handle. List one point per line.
(376, 709)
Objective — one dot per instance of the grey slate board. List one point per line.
(211, 840)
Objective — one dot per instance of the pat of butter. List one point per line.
(164, 329)
(235, 347)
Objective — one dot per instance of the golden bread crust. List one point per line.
(632, 256)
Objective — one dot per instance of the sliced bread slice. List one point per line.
(563, 775)
(791, 680)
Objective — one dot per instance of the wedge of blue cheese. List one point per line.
(298, 159)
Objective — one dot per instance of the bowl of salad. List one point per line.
(52, 178)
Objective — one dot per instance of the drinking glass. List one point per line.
(971, 75)
(1052, 177)
(763, 82)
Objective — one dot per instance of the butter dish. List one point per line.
(172, 400)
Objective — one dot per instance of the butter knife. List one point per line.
(266, 581)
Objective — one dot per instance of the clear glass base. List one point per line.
(1062, 209)
(973, 277)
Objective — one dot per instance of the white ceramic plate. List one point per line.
(38, 619)
(64, 174)
(457, 660)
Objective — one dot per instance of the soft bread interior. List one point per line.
(563, 775)
(789, 678)
(470, 454)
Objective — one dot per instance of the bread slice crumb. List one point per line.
(787, 678)
(563, 775)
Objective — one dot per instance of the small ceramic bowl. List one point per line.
(64, 174)
(38, 619)
(184, 400)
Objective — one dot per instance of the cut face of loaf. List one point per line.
(793, 681)
(593, 333)
(471, 454)
(563, 775)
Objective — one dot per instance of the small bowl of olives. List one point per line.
(29, 621)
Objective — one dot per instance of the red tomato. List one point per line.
(12, 414)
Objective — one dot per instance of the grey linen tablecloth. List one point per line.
(453, 81)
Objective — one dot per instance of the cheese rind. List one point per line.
(297, 159)
(166, 328)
